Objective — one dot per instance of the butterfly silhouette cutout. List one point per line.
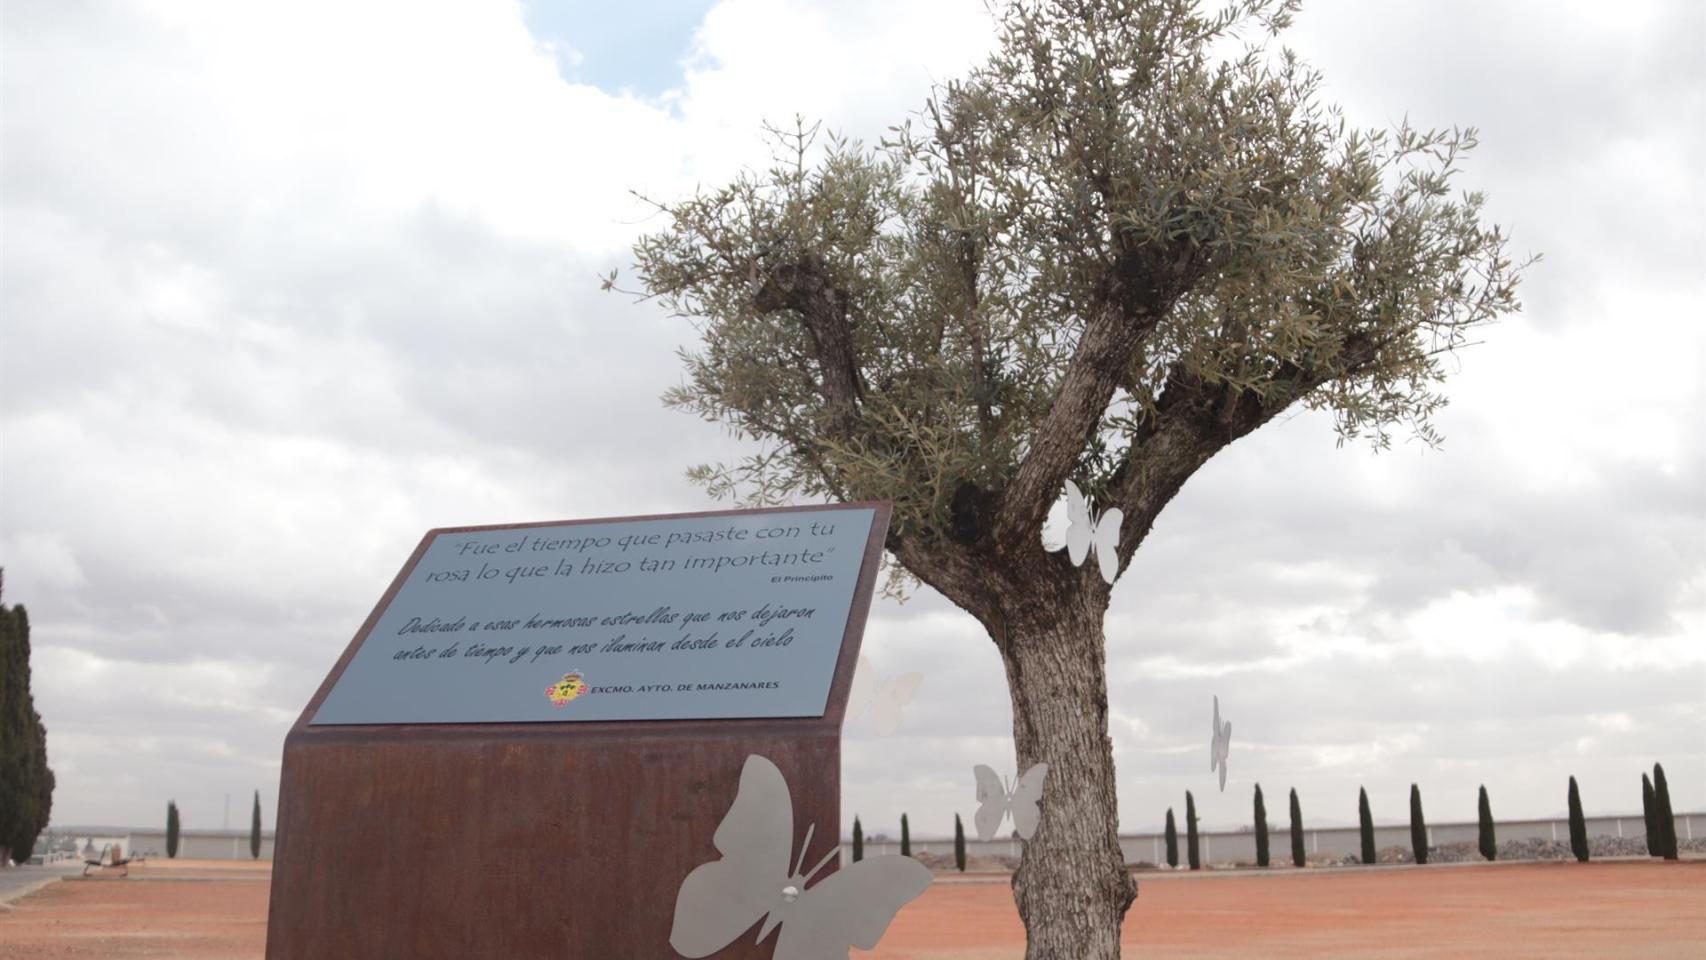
(1088, 533)
(885, 700)
(997, 799)
(1219, 745)
(758, 879)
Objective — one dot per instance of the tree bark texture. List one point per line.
(1072, 886)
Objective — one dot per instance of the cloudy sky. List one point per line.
(284, 285)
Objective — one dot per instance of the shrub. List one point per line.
(858, 841)
(959, 844)
(905, 837)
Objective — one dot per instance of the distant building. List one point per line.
(151, 843)
(199, 844)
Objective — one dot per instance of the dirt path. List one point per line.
(196, 910)
(217, 911)
(1613, 909)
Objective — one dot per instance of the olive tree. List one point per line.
(1129, 238)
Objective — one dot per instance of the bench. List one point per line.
(112, 855)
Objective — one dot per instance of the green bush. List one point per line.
(858, 841)
(959, 844)
(905, 837)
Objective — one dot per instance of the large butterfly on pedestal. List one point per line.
(758, 878)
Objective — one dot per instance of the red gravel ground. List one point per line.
(202, 911)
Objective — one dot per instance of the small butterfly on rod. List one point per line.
(1219, 745)
(997, 799)
(1088, 533)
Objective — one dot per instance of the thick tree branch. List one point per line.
(806, 287)
(1087, 387)
(1143, 285)
(1195, 419)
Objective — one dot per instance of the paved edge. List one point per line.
(8, 896)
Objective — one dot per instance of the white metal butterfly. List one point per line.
(885, 700)
(1086, 531)
(754, 881)
(1219, 745)
(996, 800)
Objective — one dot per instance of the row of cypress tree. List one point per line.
(1193, 854)
(1655, 810)
(26, 781)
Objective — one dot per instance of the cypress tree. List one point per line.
(11, 730)
(1488, 842)
(171, 829)
(1297, 857)
(1367, 821)
(1665, 819)
(1647, 817)
(905, 837)
(1261, 829)
(1191, 831)
(1578, 825)
(26, 781)
(1418, 826)
(1172, 841)
(858, 841)
(959, 844)
(255, 829)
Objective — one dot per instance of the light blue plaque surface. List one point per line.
(701, 617)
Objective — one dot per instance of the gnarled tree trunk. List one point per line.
(1045, 617)
(1072, 886)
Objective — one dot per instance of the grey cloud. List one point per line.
(239, 479)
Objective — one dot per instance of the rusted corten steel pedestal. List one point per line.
(510, 841)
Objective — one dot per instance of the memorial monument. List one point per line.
(530, 742)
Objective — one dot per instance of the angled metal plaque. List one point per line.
(702, 616)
